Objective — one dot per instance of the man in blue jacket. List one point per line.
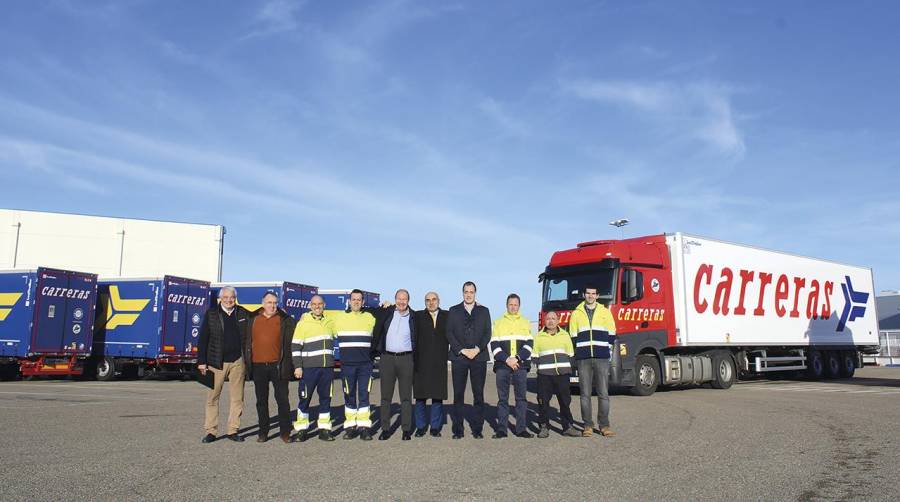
(469, 332)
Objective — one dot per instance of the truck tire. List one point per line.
(848, 363)
(646, 368)
(9, 371)
(815, 365)
(832, 361)
(724, 374)
(106, 369)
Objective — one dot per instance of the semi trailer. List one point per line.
(692, 310)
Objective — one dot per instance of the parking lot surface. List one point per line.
(761, 439)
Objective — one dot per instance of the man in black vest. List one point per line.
(469, 332)
(221, 341)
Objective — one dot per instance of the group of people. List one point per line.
(412, 348)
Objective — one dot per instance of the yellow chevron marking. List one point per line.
(8, 300)
(120, 312)
(250, 306)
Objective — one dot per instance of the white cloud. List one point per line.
(274, 17)
(704, 108)
(508, 124)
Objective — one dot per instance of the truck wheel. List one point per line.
(106, 369)
(723, 371)
(815, 365)
(647, 371)
(848, 363)
(832, 364)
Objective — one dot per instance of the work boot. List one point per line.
(544, 432)
(525, 435)
(587, 432)
(607, 432)
(325, 436)
(365, 435)
(572, 432)
(209, 438)
(351, 433)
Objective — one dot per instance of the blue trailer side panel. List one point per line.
(296, 297)
(129, 315)
(64, 312)
(17, 291)
(186, 301)
(372, 300)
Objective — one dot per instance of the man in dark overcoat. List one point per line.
(430, 375)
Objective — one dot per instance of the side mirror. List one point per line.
(633, 285)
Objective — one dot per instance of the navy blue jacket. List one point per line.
(465, 331)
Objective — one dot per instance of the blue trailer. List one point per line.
(293, 297)
(148, 324)
(46, 320)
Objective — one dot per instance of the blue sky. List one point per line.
(392, 144)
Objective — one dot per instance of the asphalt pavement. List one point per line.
(761, 439)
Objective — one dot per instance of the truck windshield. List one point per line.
(565, 291)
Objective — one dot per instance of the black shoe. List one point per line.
(498, 435)
(477, 435)
(407, 435)
(384, 436)
(458, 435)
(435, 434)
(209, 438)
(351, 434)
(234, 437)
(365, 435)
(326, 436)
(262, 438)
(420, 433)
(524, 434)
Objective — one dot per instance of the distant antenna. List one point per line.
(619, 224)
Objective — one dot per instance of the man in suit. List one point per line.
(430, 359)
(395, 339)
(468, 332)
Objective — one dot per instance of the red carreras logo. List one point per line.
(791, 296)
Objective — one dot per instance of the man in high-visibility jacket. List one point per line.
(354, 335)
(593, 330)
(511, 349)
(553, 349)
(312, 350)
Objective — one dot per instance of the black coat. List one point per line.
(430, 374)
(466, 331)
(211, 343)
(383, 317)
(285, 364)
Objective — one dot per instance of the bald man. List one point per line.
(430, 373)
(312, 350)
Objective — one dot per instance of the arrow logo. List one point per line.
(121, 312)
(7, 301)
(851, 297)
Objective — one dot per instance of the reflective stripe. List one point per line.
(317, 353)
(313, 339)
(592, 342)
(496, 350)
(551, 352)
(355, 333)
(527, 347)
(297, 353)
(503, 338)
(553, 365)
(347, 345)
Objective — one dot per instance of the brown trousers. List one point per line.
(235, 373)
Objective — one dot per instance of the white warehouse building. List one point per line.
(110, 247)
